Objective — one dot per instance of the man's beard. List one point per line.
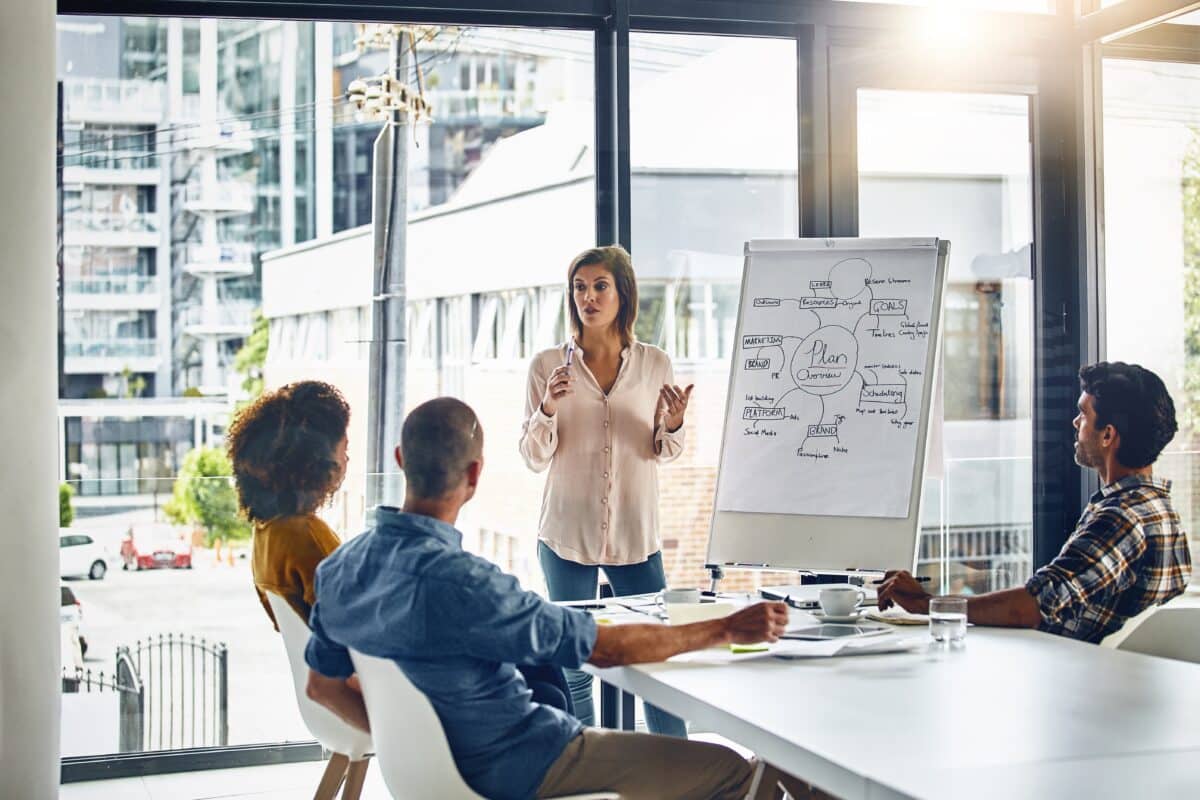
(1082, 456)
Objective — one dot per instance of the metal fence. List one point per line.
(174, 692)
(130, 701)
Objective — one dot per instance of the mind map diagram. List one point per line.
(828, 384)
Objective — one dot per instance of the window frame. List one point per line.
(1064, 150)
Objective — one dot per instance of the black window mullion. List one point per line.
(606, 135)
(1062, 313)
(812, 100)
(621, 87)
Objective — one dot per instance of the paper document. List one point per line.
(825, 398)
(791, 648)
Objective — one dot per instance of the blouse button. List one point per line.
(606, 474)
(606, 423)
(604, 500)
(606, 449)
(603, 526)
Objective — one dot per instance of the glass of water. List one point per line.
(948, 619)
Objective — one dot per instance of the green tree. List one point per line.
(66, 510)
(252, 357)
(203, 495)
(1190, 407)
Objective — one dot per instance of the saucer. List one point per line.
(848, 618)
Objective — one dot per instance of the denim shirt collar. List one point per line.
(392, 519)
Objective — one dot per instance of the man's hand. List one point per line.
(901, 589)
(617, 645)
(761, 622)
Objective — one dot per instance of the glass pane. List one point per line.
(957, 166)
(1152, 245)
(714, 152)
(177, 181)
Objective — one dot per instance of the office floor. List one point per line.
(274, 782)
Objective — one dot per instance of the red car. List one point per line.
(156, 545)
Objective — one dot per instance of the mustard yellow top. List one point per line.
(285, 557)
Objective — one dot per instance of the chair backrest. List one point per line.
(323, 724)
(1171, 632)
(410, 744)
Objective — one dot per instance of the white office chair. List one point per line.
(1166, 631)
(351, 748)
(410, 743)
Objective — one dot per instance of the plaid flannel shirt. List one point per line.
(1127, 553)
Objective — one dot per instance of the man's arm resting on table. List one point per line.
(617, 645)
(340, 697)
(1009, 608)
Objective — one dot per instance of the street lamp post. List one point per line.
(389, 99)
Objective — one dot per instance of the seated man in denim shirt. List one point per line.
(457, 625)
(1127, 552)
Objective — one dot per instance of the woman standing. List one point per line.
(602, 412)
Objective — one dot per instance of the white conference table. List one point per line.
(1011, 714)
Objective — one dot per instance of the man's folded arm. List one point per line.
(329, 667)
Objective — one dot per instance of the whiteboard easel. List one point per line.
(827, 414)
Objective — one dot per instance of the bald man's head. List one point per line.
(439, 440)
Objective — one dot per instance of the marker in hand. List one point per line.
(570, 352)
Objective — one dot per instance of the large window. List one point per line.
(957, 166)
(218, 195)
(1151, 127)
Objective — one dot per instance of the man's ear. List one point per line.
(1110, 437)
(474, 469)
(399, 458)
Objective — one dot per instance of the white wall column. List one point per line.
(30, 684)
(322, 141)
(287, 133)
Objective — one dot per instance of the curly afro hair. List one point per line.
(283, 449)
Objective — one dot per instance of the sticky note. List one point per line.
(748, 648)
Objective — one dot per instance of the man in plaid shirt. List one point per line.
(1127, 552)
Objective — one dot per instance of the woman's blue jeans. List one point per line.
(568, 580)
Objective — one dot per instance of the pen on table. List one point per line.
(917, 578)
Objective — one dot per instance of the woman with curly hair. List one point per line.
(288, 450)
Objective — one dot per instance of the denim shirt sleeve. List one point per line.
(499, 621)
(322, 654)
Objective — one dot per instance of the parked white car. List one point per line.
(79, 555)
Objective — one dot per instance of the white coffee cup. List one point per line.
(841, 600)
(677, 596)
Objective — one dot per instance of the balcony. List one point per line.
(452, 105)
(110, 355)
(222, 260)
(220, 199)
(230, 320)
(111, 228)
(111, 166)
(112, 100)
(111, 293)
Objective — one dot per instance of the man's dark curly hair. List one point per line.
(283, 447)
(1135, 401)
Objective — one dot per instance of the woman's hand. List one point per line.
(560, 384)
(672, 405)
